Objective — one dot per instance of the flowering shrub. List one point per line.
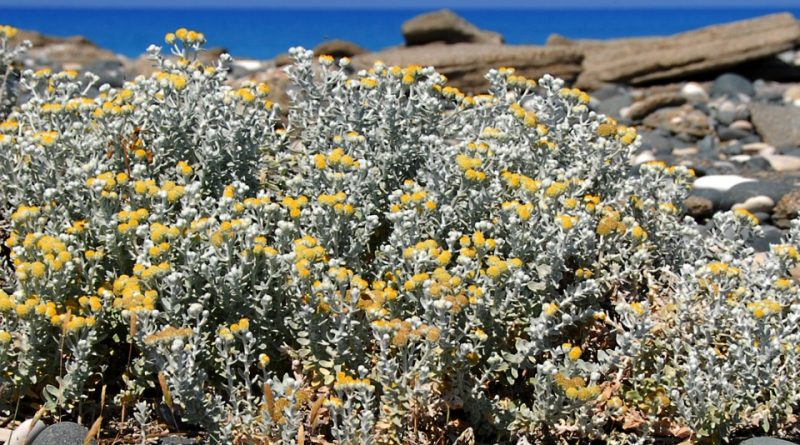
(394, 262)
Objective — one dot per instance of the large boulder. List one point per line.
(465, 64)
(660, 59)
(445, 26)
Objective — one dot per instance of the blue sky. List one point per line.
(416, 4)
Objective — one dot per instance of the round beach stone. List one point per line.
(766, 441)
(740, 193)
(731, 134)
(694, 92)
(699, 207)
(25, 432)
(783, 163)
(758, 203)
(720, 183)
(772, 235)
(730, 84)
(64, 433)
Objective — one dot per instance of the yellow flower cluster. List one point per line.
(575, 93)
(575, 387)
(8, 32)
(497, 267)
(337, 201)
(346, 383)
(527, 117)
(294, 205)
(764, 308)
(168, 334)
(336, 157)
(745, 215)
(184, 35)
(610, 223)
(175, 80)
(718, 268)
(129, 295)
(786, 251)
(306, 251)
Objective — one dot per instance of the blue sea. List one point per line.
(264, 33)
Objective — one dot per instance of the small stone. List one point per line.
(338, 49)
(613, 105)
(772, 235)
(732, 85)
(766, 441)
(726, 113)
(26, 432)
(759, 203)
(698, 207)
(792, 95)
(641, 158)
(787, 209)
(742, 125)
(721, 183)
(686, 151)
(740, 193)
(758, 148)
(731, 134)
(64, 433)
(783, 163)
(694, 92)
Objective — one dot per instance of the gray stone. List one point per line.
(732, 85)
(657, 142)
(778, 125)
(742, 192)
(731, 134)
(111, 72)
(772, 235)
(445, 26)
(766, 441)
(611, 106)
(64, 433)
(25, 432)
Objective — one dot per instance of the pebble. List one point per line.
(742, 192)
(694, 92)
(699, 207)
(684, 152)
(792, 95)
(783, 163)
(759, 203)
(732, 85)
(721, 183)
(64, 433)
(25, 432)
(772, 235)
(758, 148)
(766, 441)
(641, 158)
(742, 125)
